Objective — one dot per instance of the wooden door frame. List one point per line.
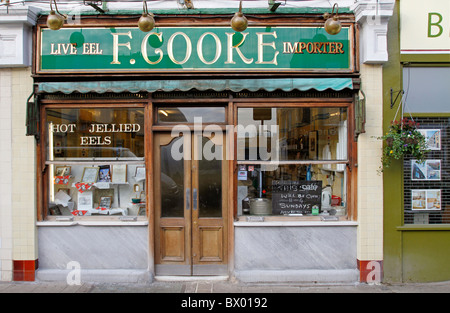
(151, 129)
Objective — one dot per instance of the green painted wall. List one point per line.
(426, 255)
(392, 177)
(413, 253)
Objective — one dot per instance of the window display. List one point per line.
(426, 185)
(292, 161)
(95, 161)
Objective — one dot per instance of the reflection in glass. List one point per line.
(292, 134)
(112, 133)
(172, 182)
(188, 115)
(210, 182)
(100, 141)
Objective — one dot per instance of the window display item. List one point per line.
(90, 175)
(326, 198)
(104, 173)
(105, 202)
(260, 206)
(85, 200)
(119, 173)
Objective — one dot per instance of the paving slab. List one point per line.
(224, 287)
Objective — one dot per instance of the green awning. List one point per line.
(235, 85)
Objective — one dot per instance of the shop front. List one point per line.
(195, 150)
(417, 208)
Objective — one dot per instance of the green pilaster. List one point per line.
(392, 177)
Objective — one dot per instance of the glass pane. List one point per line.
(172, 182)
(116, 134)
(188, 115)
(292, 134)
(210, 182)
(427, 85)
(291, 190)
(90, 189)
(91, 150)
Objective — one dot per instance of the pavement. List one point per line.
(217, 296)
(219, 287)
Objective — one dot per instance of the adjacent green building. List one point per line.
(416, 82)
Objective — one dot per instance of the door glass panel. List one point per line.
(172, 182)
(210, 180)
(187, 115)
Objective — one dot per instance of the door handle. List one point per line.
(188, 198)
(194, 200)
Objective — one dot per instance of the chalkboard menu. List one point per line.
(296, 197)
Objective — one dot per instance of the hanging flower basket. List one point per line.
(403, 139)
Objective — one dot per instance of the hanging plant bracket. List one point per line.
(400, 92)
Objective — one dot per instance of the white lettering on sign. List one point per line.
(95, 141)
(261, 44)
(92, 48)
(95, 129)
(144, 48)
(230, 48)
(63, 128)
(63, 49)
(116, 45)
(88, 48)
(114, 128)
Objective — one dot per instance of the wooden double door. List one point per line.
(191, 186)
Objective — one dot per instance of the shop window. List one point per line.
(191, 115)
(95, 161)
(427, 185)
(427, 85)
(292, 161)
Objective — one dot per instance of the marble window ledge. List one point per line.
(295, 223)
(91, 223)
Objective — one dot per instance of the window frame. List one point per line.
(351, 162)
(43, 163)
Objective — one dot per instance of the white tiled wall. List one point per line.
(5, 175)
(24, 174)
(370, 181)
(17, 172)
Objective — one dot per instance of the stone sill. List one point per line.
(91, 223)
(295, 224)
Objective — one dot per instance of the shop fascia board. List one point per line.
(373, 17)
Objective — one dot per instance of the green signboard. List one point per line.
(172, 49)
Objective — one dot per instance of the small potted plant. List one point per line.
(403, 139)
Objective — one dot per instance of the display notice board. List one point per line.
(296, 197)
